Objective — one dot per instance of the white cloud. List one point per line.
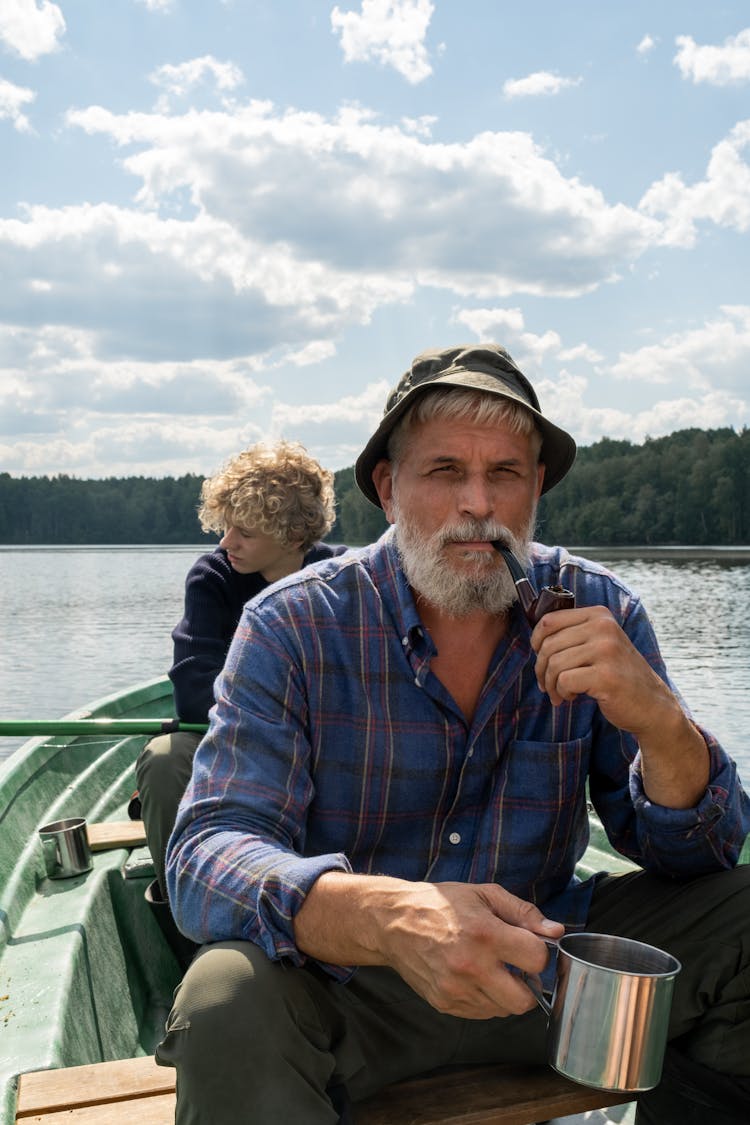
(111, 267)
(181, 78)
(485, 322)
(530, 350)
(338, 430)
(313, 352)
(707, 366)
(539, 83)
(158, 5)
(389, 31)
(721, 66)
(65, 408)
(646, 45)
(256, 239)
(68, 409)
(723, 197)
(127, 446)
(335, 207)
(419, 126)
(715, 356)
(31, 28)
(367, 407)
(12, 98)
(583, 352)
(61, 368)
(569, 394)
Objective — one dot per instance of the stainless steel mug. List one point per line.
(609, 1012)
(65, 847)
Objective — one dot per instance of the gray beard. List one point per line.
(489, 589)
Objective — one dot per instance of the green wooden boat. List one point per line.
(85, 972)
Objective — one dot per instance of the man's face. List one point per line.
(458, 485)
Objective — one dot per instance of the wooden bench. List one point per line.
(118, 1093)
(108, 834)
(111, 1093)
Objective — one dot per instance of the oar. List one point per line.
(50, 727)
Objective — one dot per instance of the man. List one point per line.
(394, 783)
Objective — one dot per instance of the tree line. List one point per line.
(692, 487)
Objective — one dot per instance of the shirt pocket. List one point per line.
(541, 821)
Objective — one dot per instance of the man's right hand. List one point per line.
(452, 943)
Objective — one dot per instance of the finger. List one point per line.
(509, 995)
(518, 911)
(596, 648)
(492, 988)
(520, 943)
(501, 992)
(548, 643)
(554, 667)
(590, 618)
(601, 666)
(552, 623)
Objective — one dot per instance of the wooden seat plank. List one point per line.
(111, 1093)
(158, 1110)
(68, 1087)
(116, 834)
(482, 1095)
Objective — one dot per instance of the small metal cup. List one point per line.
(65, 848)
(609, 1013)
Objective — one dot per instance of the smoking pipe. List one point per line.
(534, 605)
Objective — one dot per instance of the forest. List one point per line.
(689, 488)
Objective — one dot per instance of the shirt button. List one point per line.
(404, 641)
(455, 837)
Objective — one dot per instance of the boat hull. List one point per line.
(85, 974)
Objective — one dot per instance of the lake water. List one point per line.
(77, 623)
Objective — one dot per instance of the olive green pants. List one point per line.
(261, 1042)
(162, 772)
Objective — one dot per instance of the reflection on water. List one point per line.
(79, 623)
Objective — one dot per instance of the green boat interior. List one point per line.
(86, 975)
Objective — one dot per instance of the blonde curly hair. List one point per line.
(278, 489)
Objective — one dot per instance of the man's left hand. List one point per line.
(584, 651)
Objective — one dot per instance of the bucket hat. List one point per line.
(481, 367)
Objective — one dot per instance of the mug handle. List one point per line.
(534, 986)
(51, 853)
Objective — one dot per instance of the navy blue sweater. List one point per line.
(215, 594)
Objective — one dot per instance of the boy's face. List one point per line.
(252, 551)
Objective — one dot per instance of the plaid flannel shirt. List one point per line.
(332, 745)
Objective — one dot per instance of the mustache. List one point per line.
(477, 530)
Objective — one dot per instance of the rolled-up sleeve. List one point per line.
(700, 839)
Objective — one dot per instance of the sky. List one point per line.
(225, 222)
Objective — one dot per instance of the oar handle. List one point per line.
(50, 727)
